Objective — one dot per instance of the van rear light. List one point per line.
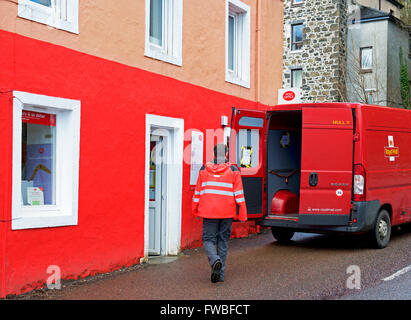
(359, 183)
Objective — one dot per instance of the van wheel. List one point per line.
(382, 230)
(282, 235)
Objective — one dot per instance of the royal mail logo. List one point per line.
(288, 95)
(391, 151)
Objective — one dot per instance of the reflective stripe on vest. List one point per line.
(239, 200)
(220, 192)
(217, 184)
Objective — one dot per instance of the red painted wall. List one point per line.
(114, 100)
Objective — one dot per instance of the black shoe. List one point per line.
(215, 273)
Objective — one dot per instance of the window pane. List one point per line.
(231, 30)
(297, 36)
(38, 159)
(46, 3)
(296, 78)
(251, 122)
(156, 22)
(366, 58)
(248, 145)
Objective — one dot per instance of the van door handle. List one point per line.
(313, 179)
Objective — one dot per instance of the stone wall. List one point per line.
(323, 54)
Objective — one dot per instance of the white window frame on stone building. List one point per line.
(60, 14)
(366, 65)
(238, 43)
(293, 25)
(292, 76)
(165, 42)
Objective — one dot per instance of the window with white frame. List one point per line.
(238, 43)
(164, 30)
(366, 59)
(60, 14)
(296, 36)
(296, 78)
(46, 140)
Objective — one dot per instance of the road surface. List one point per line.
(310, 267)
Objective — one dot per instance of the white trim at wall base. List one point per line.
(175, 146)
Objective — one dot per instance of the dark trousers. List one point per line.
(216, 233)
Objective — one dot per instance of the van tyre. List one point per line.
(382, 230)
(282, 235)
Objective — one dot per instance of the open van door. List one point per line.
(247, 150)
(326, 166)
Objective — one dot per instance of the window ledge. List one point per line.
(158, 55)
(34, 12)
(234, 80)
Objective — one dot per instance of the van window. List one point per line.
(248, 148)
(251, 122)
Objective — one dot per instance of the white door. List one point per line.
(157, 195)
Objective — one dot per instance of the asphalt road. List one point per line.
(312, 266)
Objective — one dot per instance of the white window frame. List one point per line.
(292, 25)
(65, 211)
(64, 14)
(171, 50)
(241, 13)
(370, 68)
(292, 80)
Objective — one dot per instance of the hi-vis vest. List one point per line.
(218, 191)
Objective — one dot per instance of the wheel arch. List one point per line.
(387, 207)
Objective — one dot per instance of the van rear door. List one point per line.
(247, 150)
(326, 166)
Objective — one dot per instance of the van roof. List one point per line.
(344, 105)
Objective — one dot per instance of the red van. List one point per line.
(329, 167)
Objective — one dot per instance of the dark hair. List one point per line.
(220, 150)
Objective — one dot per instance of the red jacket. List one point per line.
(218, 191)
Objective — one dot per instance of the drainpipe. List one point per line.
(6, 101)
(257, 55)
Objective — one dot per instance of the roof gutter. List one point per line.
(371, 19)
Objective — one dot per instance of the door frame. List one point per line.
(173, 129)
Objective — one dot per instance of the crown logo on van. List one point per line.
(391, 151)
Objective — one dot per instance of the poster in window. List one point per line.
(38, 155)
(35, 196)
(246, 156)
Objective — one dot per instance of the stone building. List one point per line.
(374, 41)
(389, 6)
(314, 48)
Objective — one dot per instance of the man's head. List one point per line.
(220, 153)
